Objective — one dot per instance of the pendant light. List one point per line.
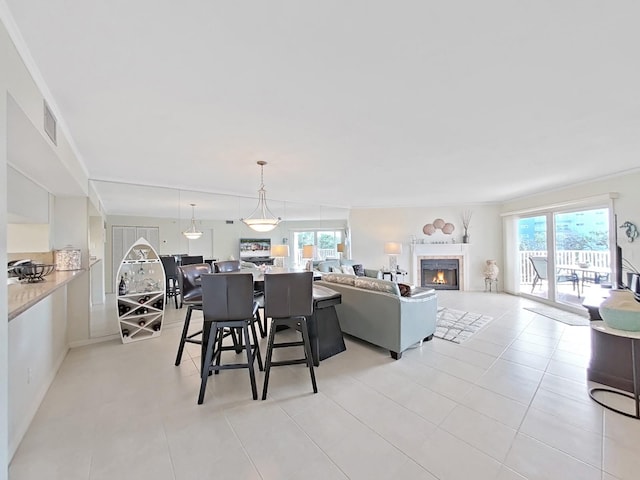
(261, 219)
(192, 233)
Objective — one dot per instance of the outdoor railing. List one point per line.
(600, 259)
(321, 254)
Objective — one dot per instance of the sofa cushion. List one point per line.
(358, 269)
(339, 278)
(384, 286)
(348, 269)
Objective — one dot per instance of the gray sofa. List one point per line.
(374, 311)
(327, 266)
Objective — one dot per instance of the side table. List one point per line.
(631, 338)
(489, 284)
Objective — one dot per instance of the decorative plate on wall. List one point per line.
(429, 229)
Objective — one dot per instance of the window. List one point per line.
(325, 241)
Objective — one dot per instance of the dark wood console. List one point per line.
(610, 355)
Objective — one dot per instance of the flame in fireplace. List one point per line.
(439, 278)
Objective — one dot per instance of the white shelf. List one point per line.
(141, 266)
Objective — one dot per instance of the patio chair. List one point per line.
(540, 268)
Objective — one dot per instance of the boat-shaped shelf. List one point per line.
(140, 293)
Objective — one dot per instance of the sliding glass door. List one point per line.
(564, 254)
(581, 252)
(533, 256)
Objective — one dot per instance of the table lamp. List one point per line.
(308, 252)
(280, 252)
(340, 248)
(393, 249)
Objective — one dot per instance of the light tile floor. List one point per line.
(510, 403)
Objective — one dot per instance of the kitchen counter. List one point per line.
(22, 296)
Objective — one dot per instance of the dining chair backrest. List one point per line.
(288, 294)
(227, 296)
(188, 276)
(170, 266)
(226, 266)
(191, 259)
(540, 266)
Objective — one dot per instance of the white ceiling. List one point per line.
(352, 103)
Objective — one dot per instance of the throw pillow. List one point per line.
(358, 270)
(405, 290)
(348, 269)
(336, 269)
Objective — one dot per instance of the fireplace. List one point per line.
(440, 273)
(442, 251)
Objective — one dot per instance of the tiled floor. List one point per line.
(510, 403)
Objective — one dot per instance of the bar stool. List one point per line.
(191, 296)
(288, 301)
(227, 303)
(226, 266)
(171, 275)
(229, 266)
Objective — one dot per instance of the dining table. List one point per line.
(325, 334)
(586, 273)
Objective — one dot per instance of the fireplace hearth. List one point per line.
(440, 273)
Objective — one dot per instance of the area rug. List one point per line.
(560, 315)
(457, 326)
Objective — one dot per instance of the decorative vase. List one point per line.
(466, 238)
(491, 271)
(620, 310)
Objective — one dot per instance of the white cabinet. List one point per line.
(141, 293)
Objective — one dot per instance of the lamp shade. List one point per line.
(340, 247)
(280, 251)
(308, 251)
(192, 233)
(393, 248)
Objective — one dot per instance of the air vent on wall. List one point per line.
(50, 123)
(229, 222)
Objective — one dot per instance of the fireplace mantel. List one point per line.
(460, 251)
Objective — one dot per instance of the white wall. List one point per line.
(371, 228)
(26, 201)
(4, 327)
(28, 237)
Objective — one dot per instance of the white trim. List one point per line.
(603, 199)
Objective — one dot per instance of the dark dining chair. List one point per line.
(288, 300)
(191, 296)
(230, 266)
(191, 259)
(227, 304)
(540, 264)
(172, 287)
(226, 266)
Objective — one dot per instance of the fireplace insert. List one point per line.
(440, 273)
